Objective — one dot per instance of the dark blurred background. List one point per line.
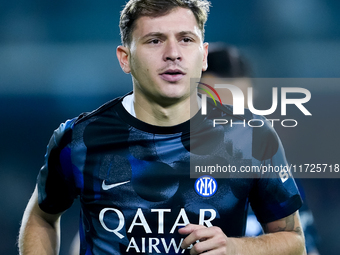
(57, 59)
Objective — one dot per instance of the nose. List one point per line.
(172, 51)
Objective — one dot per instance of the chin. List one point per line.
(170, 98)
(175, 91)
(175, 95)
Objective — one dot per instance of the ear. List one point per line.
(123, 54)
(205, 57)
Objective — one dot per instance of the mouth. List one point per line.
(172, 75)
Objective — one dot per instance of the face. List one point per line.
(165, 52)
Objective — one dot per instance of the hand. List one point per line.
(210, 240)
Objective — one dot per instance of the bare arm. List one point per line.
(39, 232)
(284, 236)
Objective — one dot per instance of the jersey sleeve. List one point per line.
(275, 194)
(56, 181)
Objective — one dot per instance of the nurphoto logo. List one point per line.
(239, 100)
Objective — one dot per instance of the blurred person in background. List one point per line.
(225, 62)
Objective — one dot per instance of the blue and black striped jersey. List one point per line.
(133, 179)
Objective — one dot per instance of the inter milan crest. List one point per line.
(206, 186)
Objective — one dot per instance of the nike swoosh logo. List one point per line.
(107, 187)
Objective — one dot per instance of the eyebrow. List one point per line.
(162, 35)
(153, 34)
(188, 33)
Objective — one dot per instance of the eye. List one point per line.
(187, 39)
(154, 41)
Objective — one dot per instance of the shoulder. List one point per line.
(63, 134)
(264, 141)
(97, 112)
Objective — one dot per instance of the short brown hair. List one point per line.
(135, 9)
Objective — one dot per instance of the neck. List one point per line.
(172, 114)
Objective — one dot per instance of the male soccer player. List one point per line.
(129, 160)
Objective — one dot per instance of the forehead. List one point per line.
(176, 21)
